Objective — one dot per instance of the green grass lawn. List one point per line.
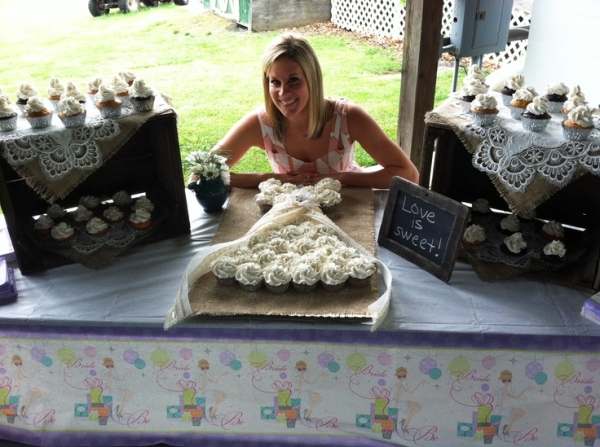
(206, 64)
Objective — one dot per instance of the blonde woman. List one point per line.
(305, 136)
(405, 407)
(125, 395)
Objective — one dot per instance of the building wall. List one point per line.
(270, 15)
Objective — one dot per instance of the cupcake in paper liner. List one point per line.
(141, 96)
(223, 269)
(72, 91)
(249, 275)
(93, 87)
(474, 237)
(554, 255)
(277, 278)
(575, 98)
(556, 94)
(26, 91)
(579, 124)
(71, 112)
(333, 276)
(511, 85)
(54, 90)
(521, 99)
(360, 271)
(470, 89)
(107, 104)
(305, 277)
(8, 116)
(535, 118)
(37, 114)
(484, 109)
(122, 89)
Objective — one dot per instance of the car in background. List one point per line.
(99, 8)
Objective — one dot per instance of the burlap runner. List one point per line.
(354, 215)
(537, 192)
(52, 190)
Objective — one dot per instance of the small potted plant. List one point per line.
(210, 179)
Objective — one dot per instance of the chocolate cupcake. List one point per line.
(535, 118)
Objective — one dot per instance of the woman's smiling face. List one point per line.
(288, 87)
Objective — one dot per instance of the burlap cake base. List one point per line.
(354, 215)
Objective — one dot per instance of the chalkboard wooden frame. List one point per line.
(454, 211)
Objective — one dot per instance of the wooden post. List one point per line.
(422, 37)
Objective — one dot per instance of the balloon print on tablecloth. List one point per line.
(284, 355)
(459, 367)
(327, 360)
(435, 373)
(588, 389)
(564, 370)
(485, 387)
(429, 366)
(333, 367)
(159, 358)
(130, 356)
(488, 362)
(226, 357)
(236, 365)
(356, 362)
(257, 359)
(139, 364)
(90, 351)
(541, 378)
(185, 353)
(384, 359)
(2, 371)
(66, 356)
(39, 355)
(2, 350)
(593, 365)
(532, 369)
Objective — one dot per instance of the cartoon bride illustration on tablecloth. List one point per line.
(505, 392)
(405, 407)
(302, 379)
(28, 394)
(205, 379)
(124, 395)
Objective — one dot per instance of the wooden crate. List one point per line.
(149, 162)
(447, 169)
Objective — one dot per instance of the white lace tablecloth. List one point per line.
(526, 167)
(54, 160)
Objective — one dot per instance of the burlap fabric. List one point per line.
(353, 220)
(27, 151)
(537, 192)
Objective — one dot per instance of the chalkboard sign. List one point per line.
(423, 227)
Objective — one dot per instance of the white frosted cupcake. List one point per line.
(55, 211)
(71, 91)
(26, 91)
(249, 276)
(113, 215)
(510, 224)
(277, 278)
(71, 112)
(62, 232)
(43, 224)
(484, 109)
(552, 230)
(470, 89)
(556, 94)
(535, 118)
(579, 124)
(54, 90)
(521, 99)
(514, 245)
(121, 89)
(107, 103)
(511, 85)
(223, 269)
(8, 116)
(575, 98)
(481, 206)
(554, 255)
(360, 271)
(96, 227)
(122, 199)
(474, 237)
(305, 277)
(93, 87)
(333, 276)
(141, 96)
(37, 114)
(128, 76)
(90, 202)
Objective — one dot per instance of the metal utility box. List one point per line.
(480, 26)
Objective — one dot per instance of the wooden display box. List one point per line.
(149, 162)
(578, 204)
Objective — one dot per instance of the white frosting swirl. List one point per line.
(472, 87)
(89, 202)
(56, 87)
(539, 106)
(510, 223)
(70, 106)
(139, 216)
(328, 197)
(329, 183)
(474, 233)
(556, 248)
(265, 256)
(515, 243)
(119, 84)
(5, 108)
(224, 267)
(82, 214)
(576, 93)
(62, 231)
(558, 88)
(277, 275)
(121, 198)
(249, 273)
(113, 214)
(72, 91)
(139, 89)
(527, 215)
(484, 101)
(44, 222)
(105, 94)
(553, 228)
(333, 274)
(35, 104)
(515, 82)
(526, 93)
(144, 203)
(56, 211)
(305, 273)
(581, 115)
(361, 267)
(94, 84)
(570, 104)
(26, 91)
(96, 225)
(481, 205)
(475, 72)
(128, 76)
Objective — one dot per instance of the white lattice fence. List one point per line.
(386, 18)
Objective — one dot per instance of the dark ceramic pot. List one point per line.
(210, 194)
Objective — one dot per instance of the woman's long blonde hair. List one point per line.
(298, 49)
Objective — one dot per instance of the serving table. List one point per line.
(84, 360)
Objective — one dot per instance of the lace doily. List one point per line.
(516, 155)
